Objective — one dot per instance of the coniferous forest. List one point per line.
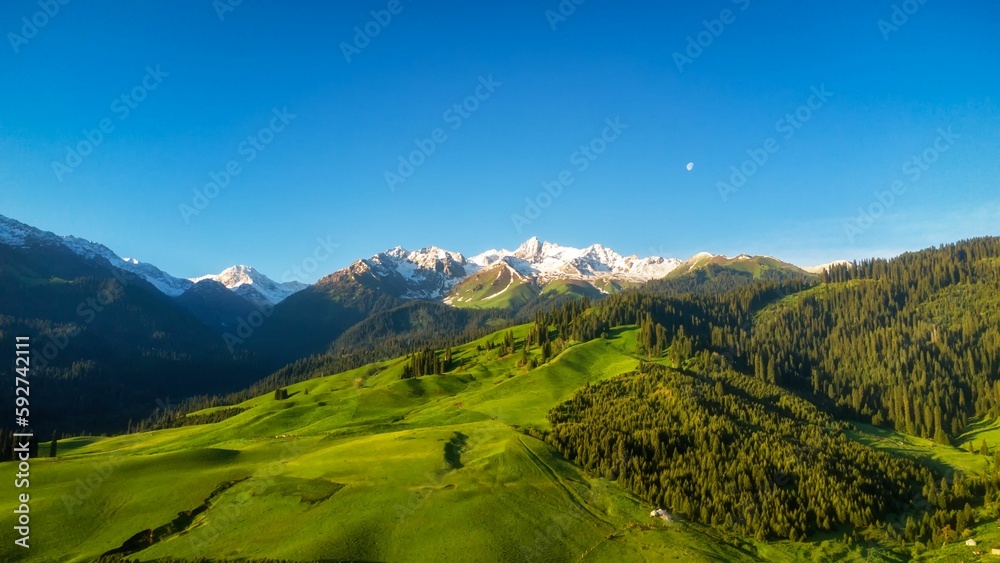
(748, 432)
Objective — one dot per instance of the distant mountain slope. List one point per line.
(427, 273)
(309, 321)
(708, 274)
(542, 269)
(416, 324)
(161, 280)
(495, 287)
(245, 281)
(106, 343)
(215, 305)
(757, 266)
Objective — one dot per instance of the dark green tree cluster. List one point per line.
(714, 279)
(912, 343)
(573, 321)
(507, 345)
(538, 335)
(653, 337)
(727, 450)
(426, 362)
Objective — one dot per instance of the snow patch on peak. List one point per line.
(532, 249)
(233, 276)
(248, 282)
(701, 255)
(428, 273)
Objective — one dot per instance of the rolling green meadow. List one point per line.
(366, 466)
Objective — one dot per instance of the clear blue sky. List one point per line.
(323, 176)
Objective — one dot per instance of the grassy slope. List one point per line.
(362, 473)
(582, 288)
(754, 265)
(499, 288)
(494, 288)
(376, 468)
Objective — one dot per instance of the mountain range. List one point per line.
(488, 279)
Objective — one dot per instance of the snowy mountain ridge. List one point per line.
(161, 280)
(546, 261)
(427, 273)
(243, 280)
(17, 234)
(431, 272)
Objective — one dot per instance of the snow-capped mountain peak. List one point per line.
(428, 273)
(246, 281)
(233, 277)
(532, 249)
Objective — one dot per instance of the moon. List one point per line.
(690, 166)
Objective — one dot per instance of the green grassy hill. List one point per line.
(497, 287)
(365, 466)
(756, 266)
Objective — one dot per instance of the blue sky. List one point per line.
(200, 88)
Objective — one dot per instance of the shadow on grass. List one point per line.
(453, 450)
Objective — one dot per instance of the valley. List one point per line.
(670, 282)
(468, 416)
